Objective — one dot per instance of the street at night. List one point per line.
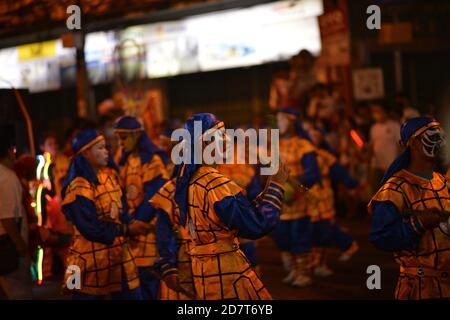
(224, 150)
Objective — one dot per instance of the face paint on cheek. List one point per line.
(433, 141)
(131, 142)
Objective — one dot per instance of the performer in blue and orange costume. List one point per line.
(182, 287)
(216, 212)
(410, 213)
(293, 236)
(142, 172)
(93, 202)
(326, 232)
(245, 176)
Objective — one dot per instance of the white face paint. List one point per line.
(433, 140)
(282, 123)
(219, 148)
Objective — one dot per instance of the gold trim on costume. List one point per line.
(422, 130)
(119, 130)
(90, 144)
(218, 125)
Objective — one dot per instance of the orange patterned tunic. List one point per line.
(219, 268)
(102, 266)
(323, 195)
(164, 199)
(292, 151)
(133, 176)
(424, 272)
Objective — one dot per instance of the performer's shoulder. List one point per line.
(400, 179)
(79, 183)
(305, 145)
(326, 155)
(394, 189)
(209, 178)
(78, 187)
(441, 178)
(153, 168)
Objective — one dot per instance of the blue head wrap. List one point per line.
(79, 166)
(301, 132)
(412, 127)
(186, 170)
(145, 148)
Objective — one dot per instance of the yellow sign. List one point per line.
(37, 50)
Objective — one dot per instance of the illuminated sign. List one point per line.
(213, 41)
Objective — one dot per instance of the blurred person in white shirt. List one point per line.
(16, 284)
(383, 144)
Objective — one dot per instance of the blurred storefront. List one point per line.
(215, 55)
(411, 50)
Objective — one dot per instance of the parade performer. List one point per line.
(180, 287)
(216, 212)
(93, 202)
(410, 213)
(326, 232)
(293, 236)
(142, 173)
(245, 176)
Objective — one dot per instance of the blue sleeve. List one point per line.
(251, 220)
(167, 245)
(254, 188)
(83, 214)
(340, 173)
(311, 172)
(388, 230)
(125, 217)
(145, 211)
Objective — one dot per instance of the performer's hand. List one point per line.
(283, 173)
(137, 227)
(431, 219)
(171, 281)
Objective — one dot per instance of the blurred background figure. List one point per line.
(56, 232)
(383, 145)
(15, 277)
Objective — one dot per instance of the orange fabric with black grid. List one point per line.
(292, 151)
(322, 208)
(164, 199)
(133, 175)
(424, 273)
(101, 264)
(220, 269)
(242, 175)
